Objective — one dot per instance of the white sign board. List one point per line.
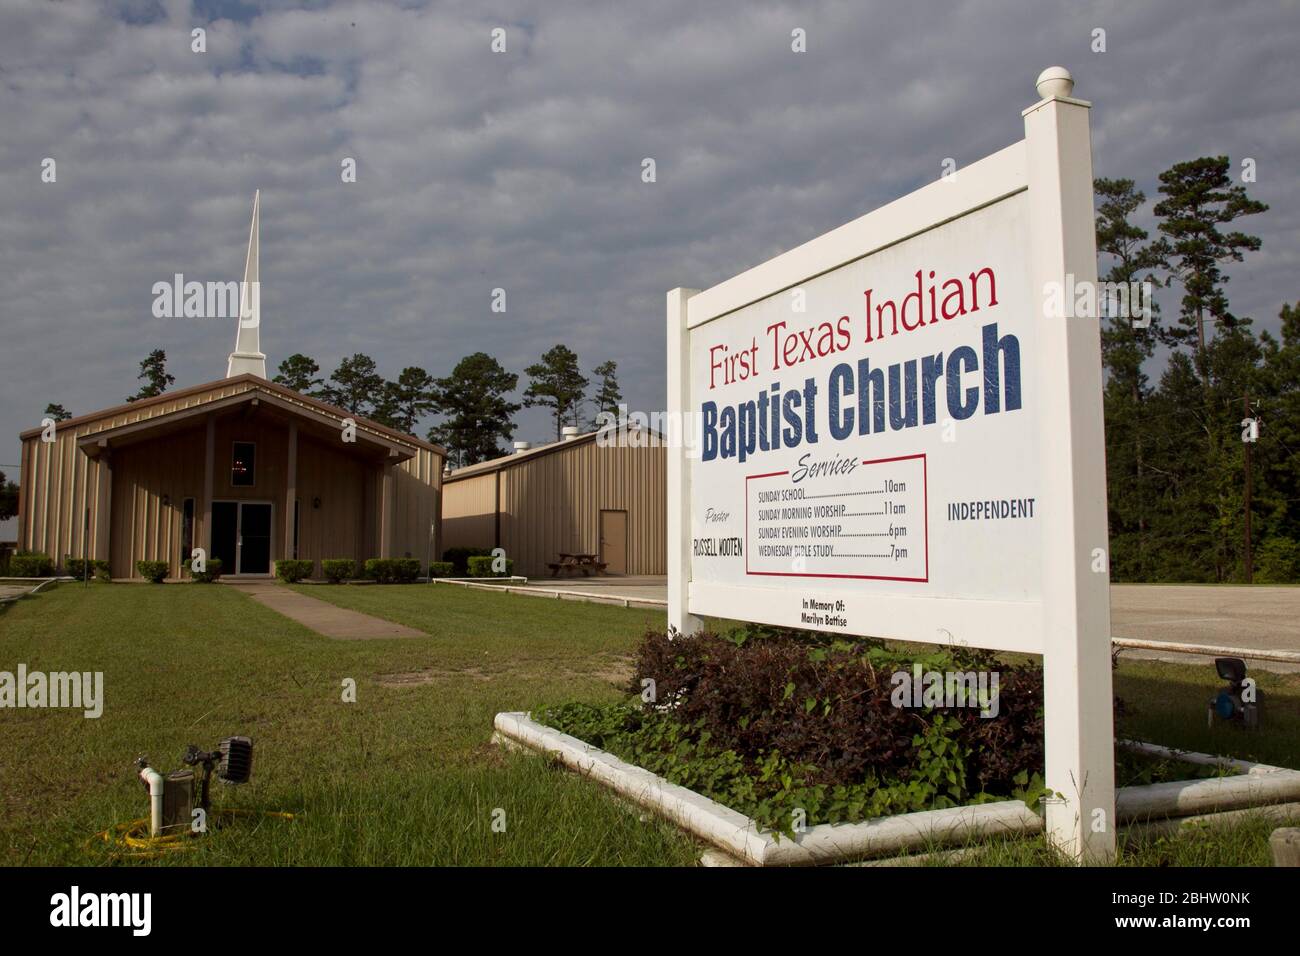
(893, 438)
(862, 453)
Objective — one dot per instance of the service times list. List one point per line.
(849, 518)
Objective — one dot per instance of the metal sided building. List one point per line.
(248, 470)
(577, 496)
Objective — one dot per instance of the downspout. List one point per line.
(496, 511)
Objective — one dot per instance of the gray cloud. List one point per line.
(522, 170)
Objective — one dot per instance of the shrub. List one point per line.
(152, 571)
(293, 571)
(767, 721)
(31, 564)
(393, 570)
(753, 694)
(459, 557)
(77, 568)
(441, 569)
(338, 570)
(481, 567)
(211, 571)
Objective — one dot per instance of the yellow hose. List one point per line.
(139, 845)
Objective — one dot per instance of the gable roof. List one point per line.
(210, 393)
(654, 439)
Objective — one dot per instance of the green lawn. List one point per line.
(405, 775)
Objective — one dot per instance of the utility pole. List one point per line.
(1245, 399)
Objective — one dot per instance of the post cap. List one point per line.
(1054, 81)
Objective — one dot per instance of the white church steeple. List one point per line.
(247, 356)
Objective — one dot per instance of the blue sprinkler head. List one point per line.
(1224, 705)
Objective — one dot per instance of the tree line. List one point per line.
(1203, 469)
(473, 401)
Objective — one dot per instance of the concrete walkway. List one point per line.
(15, 589)
(12, 592)
(321, 616)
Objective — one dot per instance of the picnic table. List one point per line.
(573, 563)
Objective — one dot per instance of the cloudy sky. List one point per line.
(522, 169)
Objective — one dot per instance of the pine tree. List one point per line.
(556, 383)
(1126, 346)
(1199, 198)
(476, 412)
(57, 412)
(607, 397)
(299, 373)
(406, 400)
(153, 372)
(1277, 454)
(355, 386)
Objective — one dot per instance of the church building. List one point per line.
(248, 470)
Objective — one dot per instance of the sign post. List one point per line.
(1076, 580)
(679, 515)
(897, 435)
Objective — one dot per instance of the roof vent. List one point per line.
(522, 446)
(570, 432)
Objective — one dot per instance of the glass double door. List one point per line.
(241, 536)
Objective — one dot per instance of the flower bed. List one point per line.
(792, 728)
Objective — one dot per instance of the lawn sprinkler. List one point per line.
(172, 798)
(179, 807)
(1240, 700)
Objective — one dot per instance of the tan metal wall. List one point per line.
(468, 512)
(552, 503)
(142, 527)
(58, 483)
(343, 525)
(418, 488)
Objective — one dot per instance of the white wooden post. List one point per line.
(679, 475)
(1076, 583)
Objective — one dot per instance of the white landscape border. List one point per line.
(741, 838)
(1069, 624)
